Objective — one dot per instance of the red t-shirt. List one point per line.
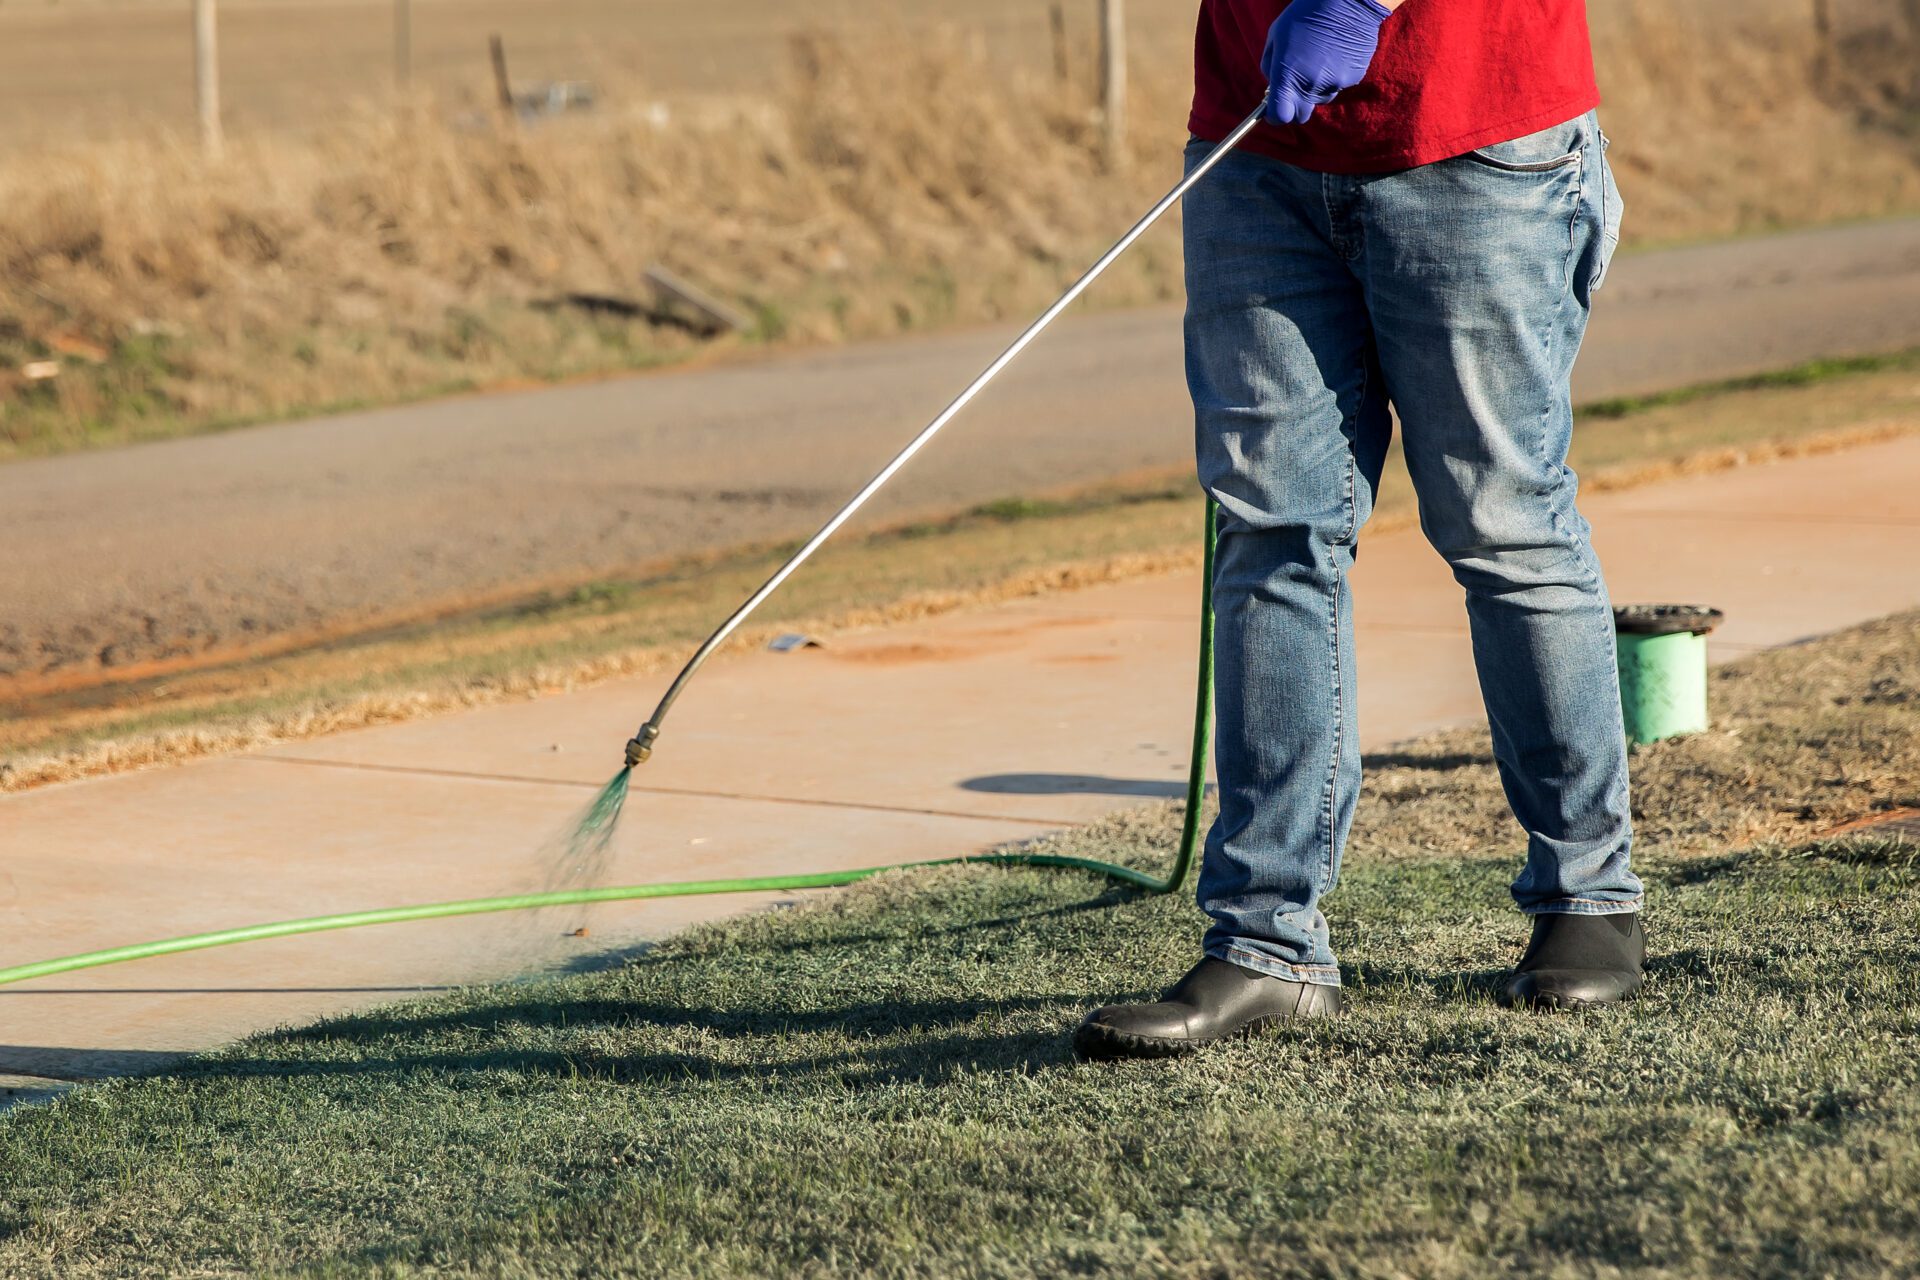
(1449, 76)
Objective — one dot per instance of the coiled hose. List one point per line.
(1144, 881)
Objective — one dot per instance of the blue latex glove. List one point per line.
(1316, 48)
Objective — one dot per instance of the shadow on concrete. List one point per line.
(1092, 784)
(27, 1091)
(925, 1059)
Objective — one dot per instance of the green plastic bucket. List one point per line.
(1662, 650)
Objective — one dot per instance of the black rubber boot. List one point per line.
(1216, 999)
(1577, 962)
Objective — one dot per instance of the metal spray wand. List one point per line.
(641, 745)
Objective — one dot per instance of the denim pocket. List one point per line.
(1554, 147)
(1612, 210)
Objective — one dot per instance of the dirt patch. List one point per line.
(1026, 628)
(901, 655)
(1896, 823)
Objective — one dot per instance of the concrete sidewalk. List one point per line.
(920, 741)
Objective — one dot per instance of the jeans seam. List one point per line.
(1350, 431)
(1566, 289)
(1333, 763)
(1573, 222)
(1329, 801)
(1577, 544)
(1600, 232)
(1326, 207)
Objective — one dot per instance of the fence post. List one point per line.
(206, 77)
(1822, 40)
(1113, 76)
(501, 85)
(1057, 21)
(402, 45)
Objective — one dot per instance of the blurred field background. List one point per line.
(837, 169)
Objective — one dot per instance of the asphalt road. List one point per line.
(133, 560)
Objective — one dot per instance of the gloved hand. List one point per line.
(1316, 48)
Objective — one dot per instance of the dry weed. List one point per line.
(882, 189)
(1765, 772)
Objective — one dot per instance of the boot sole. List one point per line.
(1104, 1044)
(1549, 1002)
(1093, 1042)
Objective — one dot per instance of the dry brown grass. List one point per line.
(399, 254)
(1805, 738)
(1733, 117)
(884, 187)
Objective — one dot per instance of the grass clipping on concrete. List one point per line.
(878, 1083)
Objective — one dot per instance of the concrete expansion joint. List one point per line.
(470, 775)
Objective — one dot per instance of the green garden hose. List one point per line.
(1176, 875)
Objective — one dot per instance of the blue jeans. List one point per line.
(1458, 292)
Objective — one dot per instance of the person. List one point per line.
(1419, 221)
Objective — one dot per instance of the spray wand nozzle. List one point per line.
(640, 746)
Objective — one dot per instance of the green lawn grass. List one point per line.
(878, 1082)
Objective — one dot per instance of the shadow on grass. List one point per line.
(1862, 849)
(1461, 986)
(943, 1039)
(649, 1040)
(1442, 762)
(929, 1056)
(1110, 897)
(649, 952)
